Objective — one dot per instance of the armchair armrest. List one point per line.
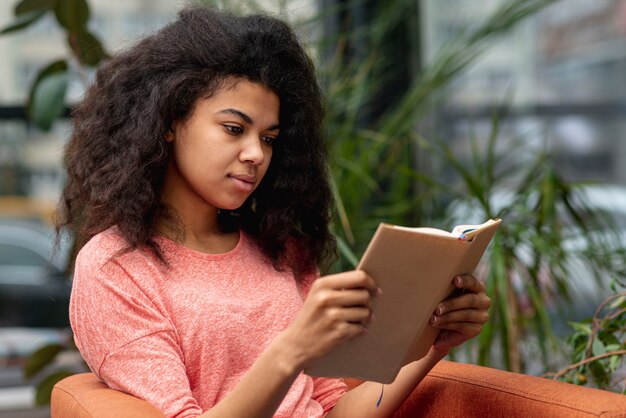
(470, 391)
(85, 396)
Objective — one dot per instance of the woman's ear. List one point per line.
(169, 137)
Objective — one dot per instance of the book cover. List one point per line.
(414, 267)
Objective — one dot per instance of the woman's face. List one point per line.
(222, 151)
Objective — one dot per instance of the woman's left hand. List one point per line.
(461, 317)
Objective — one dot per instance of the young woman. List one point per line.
(197, 178)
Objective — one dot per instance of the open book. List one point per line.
(414, 267)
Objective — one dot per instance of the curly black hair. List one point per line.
(117, 155)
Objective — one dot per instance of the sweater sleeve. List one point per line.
(327, 392)
(126, 340)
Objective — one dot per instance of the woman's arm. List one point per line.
(460, 318)
(335, 311)
(263, 387)
(362, 400)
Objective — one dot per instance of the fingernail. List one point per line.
(439, 310)
(379, 291)
(434, 319)
(458, 280)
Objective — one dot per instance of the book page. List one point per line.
(468, 232)
(463, 232)
(427, 230)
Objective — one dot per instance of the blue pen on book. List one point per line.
(463, 237)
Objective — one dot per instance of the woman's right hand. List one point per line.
(336, 310)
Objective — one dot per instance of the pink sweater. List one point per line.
(181, 338)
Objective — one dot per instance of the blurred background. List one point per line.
(439, 112)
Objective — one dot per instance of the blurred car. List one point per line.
(34, 291)
(34, 300)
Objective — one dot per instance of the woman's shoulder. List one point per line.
(104, 245)
(106, 255)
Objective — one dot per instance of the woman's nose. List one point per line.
(252, 151)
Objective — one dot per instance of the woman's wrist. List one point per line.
(434, 355)
(288, 356)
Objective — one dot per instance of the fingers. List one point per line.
(454, 320)
(458, 327)
(466, 312)
(478, 301)
(336, 309)
(355, 297)
(353, 288)
(472, 296)
(462, 315)
(469, 283)
(357, 315)
(356, 279)
(344, 298)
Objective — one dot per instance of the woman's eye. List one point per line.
(233, 129)
(268, 139)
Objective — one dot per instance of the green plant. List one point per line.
(38, 364)
(376, 177)
(374, 163)
(598, 345)
(46, 99)
(532, 260)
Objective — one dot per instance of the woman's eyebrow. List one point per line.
(245, 117)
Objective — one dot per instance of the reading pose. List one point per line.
(197, 179)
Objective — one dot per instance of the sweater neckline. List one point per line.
(169, 245)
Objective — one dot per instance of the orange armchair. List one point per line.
(450, 390)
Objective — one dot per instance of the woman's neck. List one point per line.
(194, 225)
(186, 204)
(201, 237)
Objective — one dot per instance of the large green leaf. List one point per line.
(44, 388)
(27, 6)
(22, 20)
(40, 359)
(597, 347)
(72, 14)
(87, 48)
(47, 95)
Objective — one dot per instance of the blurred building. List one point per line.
(582, 61)
(116, 22)
(563, 72)
(31, 160)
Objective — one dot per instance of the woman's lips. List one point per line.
(244, 182)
